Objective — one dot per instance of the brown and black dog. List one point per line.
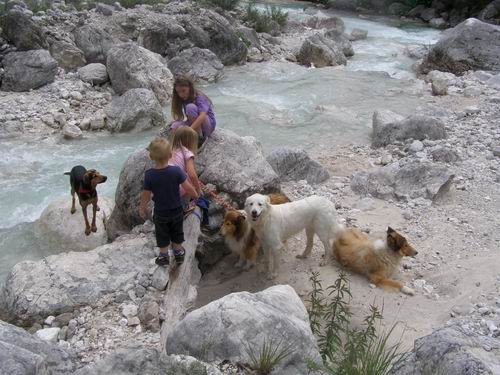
(84, 182)
(375, 258)
(241, 238)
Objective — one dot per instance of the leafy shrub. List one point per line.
(225, 4)
(263, 22)
(344, 350)
(268, 356)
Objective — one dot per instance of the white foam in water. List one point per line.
(279, 103)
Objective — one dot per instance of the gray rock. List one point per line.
(62, 230)
(131, 66)
(416, 146)
(149, 315)
(439, 87)
(236, 165)
(61, 283)
(125, 215)
(449, 78)
(490, 12)
(494, 82)
(210, 30)
(94, 42)
(20, 29)
(48, 334)
(342, 40)
(415, 12)
(160, 278)
(412, 180)
(438, 23)
(66, 53)
(451, 350)
(28, 70)
(249, 36)
(293, 164)
(471, 45)
(428, 14)
(95, 74)
(159, 35)
(63, 319)
(199, 64)
(226, 328)
(358, 34)
(330, 23)
(22, 353)
(104, 9)
(320, 51)
(71, 131)
(444, 154)
(398, 9)
(132, 361)
(137, 109)
(418, 127)
(383, 118)
(344, 5)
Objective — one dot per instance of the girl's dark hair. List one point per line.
(177, 109)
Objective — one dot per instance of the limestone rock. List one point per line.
(131, 66)
(94, 42)
(225, 328)
(295, 164)
(199, 64)
(57, 226)
(28, 70)
(137, 109)
(320, 51)
(95, 74)
(20, 29)
(66, 53)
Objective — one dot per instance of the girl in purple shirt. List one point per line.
(187, 102)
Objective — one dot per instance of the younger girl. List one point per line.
(187, 102)
(184, 148)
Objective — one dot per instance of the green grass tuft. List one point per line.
(268, 356)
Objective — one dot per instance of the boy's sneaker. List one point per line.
(162, 260)
(179, 255)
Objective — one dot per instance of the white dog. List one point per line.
(275, 224)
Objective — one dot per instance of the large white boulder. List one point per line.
(231, 326)
(64, 230)
(61, 283)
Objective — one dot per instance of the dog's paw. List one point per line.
(301, 256)
(323, 263)
(407, 291)
(73, 210)
(87, 231)
(270, 276)
(248, 266)
(238, 264)
(94, 228)
(98, 208)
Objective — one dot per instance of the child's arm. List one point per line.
(196, 124)
(190, 189)
(145, 198)
(191, 172)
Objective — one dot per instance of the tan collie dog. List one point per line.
(375, 258)
(241, 238)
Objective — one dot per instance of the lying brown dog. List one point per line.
(84, 182)
(374, 258)
(241, 238)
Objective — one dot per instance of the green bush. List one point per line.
(262, 22)
(345, 350)
(225, 4)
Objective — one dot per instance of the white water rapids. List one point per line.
(279, 103)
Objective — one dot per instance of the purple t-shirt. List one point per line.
(164, 184)
(203, 104)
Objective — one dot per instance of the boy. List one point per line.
(163, 182)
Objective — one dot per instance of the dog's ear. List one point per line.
(390, 230)
(241, 218)
(268, 200)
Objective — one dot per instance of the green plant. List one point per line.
(268, 356)
(263, 22)
(225, 4)
(345, 350)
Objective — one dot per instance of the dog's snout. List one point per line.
(416, 253)
(104, 178)
(254, 212)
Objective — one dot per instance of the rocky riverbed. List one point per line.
(432, 171)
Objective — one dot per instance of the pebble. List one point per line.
(50, 319)
(48, 334)
(129, 311)
(416, 146)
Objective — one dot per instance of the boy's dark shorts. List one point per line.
(169, 228)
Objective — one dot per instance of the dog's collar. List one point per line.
(82, 190)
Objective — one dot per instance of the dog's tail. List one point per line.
(67, 173)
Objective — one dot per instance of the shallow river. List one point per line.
(279, 103)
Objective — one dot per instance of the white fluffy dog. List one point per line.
(275, 224)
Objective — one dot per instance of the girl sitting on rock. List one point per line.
(190, 107)
(184, 149)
